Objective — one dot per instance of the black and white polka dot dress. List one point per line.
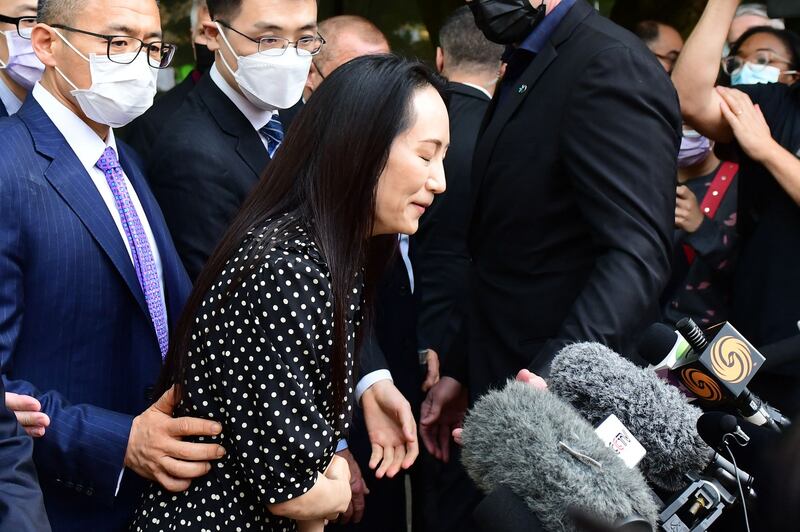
(259, 364)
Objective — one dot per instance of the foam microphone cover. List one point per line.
(598, 382)
(516, 437)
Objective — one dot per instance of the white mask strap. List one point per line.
(3, 64)
(221, 55)
(71, 46)
(75, 87)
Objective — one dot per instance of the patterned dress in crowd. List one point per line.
(259, 364)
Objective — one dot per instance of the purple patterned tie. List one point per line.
(143, 260)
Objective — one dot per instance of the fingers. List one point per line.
(194, 452)
(407, 422)
(348, 514)
(458, 437)
(397, 461)
(192, 426)
(531, 379)
(172, 484)
(16, 402)
(34, 423)
(430, 437)
(444, 444)
(388, 458)
(166, 403)
(358, 504)
(412, 452)
(376, 456)
(182, 470)
(431, 409)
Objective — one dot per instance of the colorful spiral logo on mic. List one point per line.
(702, 385)
(731, 359)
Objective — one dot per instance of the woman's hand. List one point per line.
(748, 124)
(339, 472)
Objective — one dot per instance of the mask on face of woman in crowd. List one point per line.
(695, 148)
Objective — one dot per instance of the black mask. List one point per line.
(506, 21)
(203, 58)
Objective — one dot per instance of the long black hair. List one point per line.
(326, 174)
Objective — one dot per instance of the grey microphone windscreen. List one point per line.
(534, 443)
(598, 382)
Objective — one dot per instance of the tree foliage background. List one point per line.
(412, 25)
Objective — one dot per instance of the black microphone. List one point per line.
(540, 448)
(783, 8)
(503, 511)
(715, 372)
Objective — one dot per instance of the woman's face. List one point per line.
(414, 171)
(767, 49)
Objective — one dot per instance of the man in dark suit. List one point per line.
(471, 63)
(142, 132)
(92, 283)
(219, 142)
(19, 66)
(573, 200)
(21, 504)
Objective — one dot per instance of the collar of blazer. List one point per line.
(498, 115)
(67, 175)
(233, 122)
(466, 90)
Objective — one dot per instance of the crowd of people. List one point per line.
(265, 299)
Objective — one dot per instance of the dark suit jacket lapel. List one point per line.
(231, 120)
(500, 113)
(3, 112)
(68, 177)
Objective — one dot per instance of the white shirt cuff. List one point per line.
(371, 378)
(341, 446)
(119, 482)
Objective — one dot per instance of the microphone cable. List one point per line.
(738, 480)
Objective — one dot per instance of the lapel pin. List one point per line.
(522, 88)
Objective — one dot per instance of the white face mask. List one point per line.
(270, 82)
(23, 66)
(119, 93)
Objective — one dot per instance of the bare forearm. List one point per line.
(327, 497)
(696, 72)
(785, 167)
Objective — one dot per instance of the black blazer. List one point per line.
(573, 200)
(205, 163)
(142, 132)
(439, 248)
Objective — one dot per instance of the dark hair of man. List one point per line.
(58, 11)
(465, 45)
(326, 174)
(223, 9)
(789, 38)
(648, 31)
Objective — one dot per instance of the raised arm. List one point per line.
(696, 71)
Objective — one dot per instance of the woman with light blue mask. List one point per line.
(20, 69)
(764, 55)
(757, 124)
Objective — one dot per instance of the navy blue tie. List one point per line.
(273, 132)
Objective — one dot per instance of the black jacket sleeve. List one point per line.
(619, 141)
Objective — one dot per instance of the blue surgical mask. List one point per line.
(750, 75)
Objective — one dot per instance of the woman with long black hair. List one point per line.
(265, 345)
